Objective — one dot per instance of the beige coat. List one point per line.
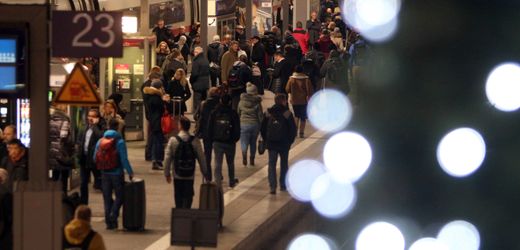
(226, 64)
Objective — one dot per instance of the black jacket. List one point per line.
(285, 143)
(199, 77)
(235, 121)
(202, 117)
(313, 28)
(6, 218)
(258, 54)
(282, 70)
(156, 108)
(86, 161)
(175, 89)
(214, 52)
(245, 75)
(18, 171)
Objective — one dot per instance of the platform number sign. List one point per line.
(87, 34)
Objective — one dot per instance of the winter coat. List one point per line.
(214, 49)
(245, 75)
(202, 116)
(235, 121)
(312, 71)
(18, 171)
(61, 146)
(228, 59)
(170, 66)
(258, 54)
(199, 78)
(175, 89)
(338, 41)
(335, 61)
(250, 109)
(121, 152)
(77, 230)
(285, 143)
(169, 156)
(97, 132)
(300, 88)
(302, 38)
(282, 71)
(313, 28)
(316, 56)
(325, 45)
(156, 108)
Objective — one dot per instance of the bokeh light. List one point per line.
(347, 156)
(461, 152)
(301, 176)
(380, 235)
(460, 235)
(376, 20)
(331, 198)
(310, 242)
(428, 244)
(329, 110)
(503, 87)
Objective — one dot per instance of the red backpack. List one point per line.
(107, 157)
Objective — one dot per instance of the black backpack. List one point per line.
(277, 127)
(184, 158)
(234, 77)
(336, 73)
(223, 127)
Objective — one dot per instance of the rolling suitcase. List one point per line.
(177, 113)
(134, 205)
(212, 198)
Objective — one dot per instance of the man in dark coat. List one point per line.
(214, 50)
(86, 145)
(313, 28)
(258, 57)
(202, 118)
(161, 32)
(282, 72)
(199, 78)
(276, 144)
(16, 163)
(152, 76)
(156, 109)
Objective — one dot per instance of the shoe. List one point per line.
(244, 159)
(233, 183)
(112, 226)
(283, 189)
(301, 135)
(252, 162)
(157, 166)
(273, 191)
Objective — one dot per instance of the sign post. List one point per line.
(78, 90)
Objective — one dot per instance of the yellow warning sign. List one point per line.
(78, 90)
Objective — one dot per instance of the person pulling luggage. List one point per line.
(181, 155)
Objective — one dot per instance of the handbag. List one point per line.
(261, 146)
(166, 123)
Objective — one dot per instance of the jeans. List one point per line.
(62, 175)
(183, 192)
(157, 140)
(208, 147)
(198, 97)
(148, 147)
(248, 135)
(85, 178)
(284, 166)
(229, 150)
(112, 183)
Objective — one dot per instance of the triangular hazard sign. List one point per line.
(78, 90)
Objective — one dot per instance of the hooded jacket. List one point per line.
(169, 156)
(300, 88)
(61, 147)
(121, 152)
(214, 50)
(285, 143)
(199, 77)
(155, 107)
(250, 109)
(77, 230)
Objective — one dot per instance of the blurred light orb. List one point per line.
(310, 242)
(503, 87)
(347, 155)
(329, 110)
(331, 198)
(428, 244)
(380, 235)
(460, 235)
(301, 176)
(376, 20)
(461, 152)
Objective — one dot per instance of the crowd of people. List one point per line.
(226, 83)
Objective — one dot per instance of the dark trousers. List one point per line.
(198, 97)
(112, 184)
(63, 176)
(157, 141)
(222, 149)
(208, 148)
(284, 166)
(85, 179)
(148, 147)
(214, 76)
(183, 192)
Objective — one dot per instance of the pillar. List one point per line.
(204, 23)
(144, 23)
(285, 15)
(249, 18)
(301, 12)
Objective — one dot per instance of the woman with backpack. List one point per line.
(250, 112)
(179, 87)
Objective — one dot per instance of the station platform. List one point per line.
(252, 215)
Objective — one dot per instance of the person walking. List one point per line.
(313, 28)
(200, 77)
(238, 76)
(224, 131)
(148, 148)
(156, 110)
(78, 233)
(181, 155)
(86, 144)
(281, 74)
(202, 118)
(61, 146)
(214, 50)
(111, 158)
(279, 131)
(250, 112)
(227, 61)
(179, 88)
(300, 90)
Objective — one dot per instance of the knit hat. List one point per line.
(242, 53)
(156, 83)
(251, 89)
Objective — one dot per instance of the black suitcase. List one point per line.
(212, 198)
(134, 205)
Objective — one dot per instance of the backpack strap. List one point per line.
(86, 242)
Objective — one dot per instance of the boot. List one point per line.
(252, 161)
(244, 159)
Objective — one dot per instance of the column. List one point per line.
(204, 24)
(301, 12)
(285, 15)
(249, 18)
(144, 23)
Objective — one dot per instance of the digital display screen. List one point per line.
(7, 77)
(7, 50)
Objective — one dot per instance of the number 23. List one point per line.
(88, 27)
